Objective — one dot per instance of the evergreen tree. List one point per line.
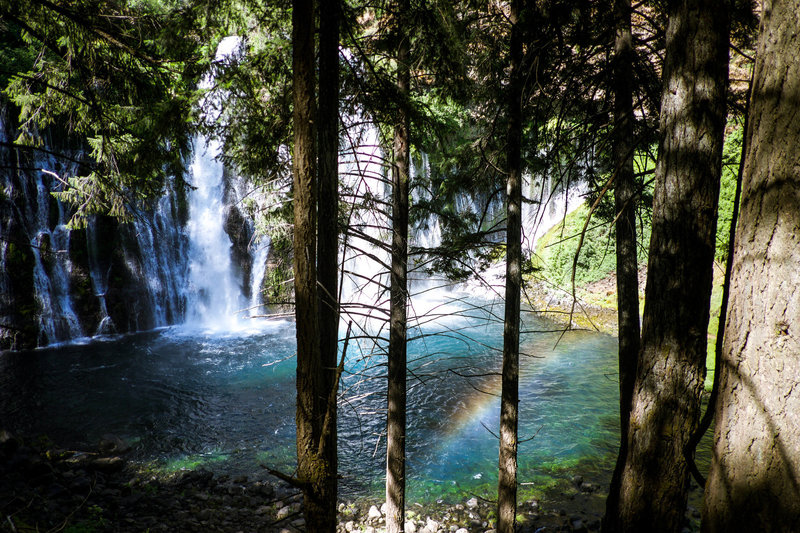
(753, 483)
(119, 77)
(316, 462)
(509, 398)
(328, 243)
(626, 257)
(396, 392)
(665, 405)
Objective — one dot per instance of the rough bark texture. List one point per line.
(627, 264)
(754, 483)
(509, 396)
(669, 379)
(313, 471)
(396, 413)
(328, 238)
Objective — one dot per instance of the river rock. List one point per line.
(107, 464)
(472, 503)
(112, 444)
(578, 526)
(410, 527)
(374, 513)
(432, 526)
(283, 512)
(9, 444)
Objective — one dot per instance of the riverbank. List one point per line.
(595, 307)
(595, 304)
(49, 489)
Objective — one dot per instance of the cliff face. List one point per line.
(58, 284)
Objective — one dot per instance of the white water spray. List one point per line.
(216, 300)
(214, 293)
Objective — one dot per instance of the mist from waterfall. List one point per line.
(364, 171)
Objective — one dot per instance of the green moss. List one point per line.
(731, 156)
(277, 286)
(95, 522)
(18, 257)
(555, 251)
(191, 462)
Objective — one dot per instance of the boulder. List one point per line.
(112, 444)
(374, 513)
(283, 513)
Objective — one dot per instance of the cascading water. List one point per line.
(36, 304)
(226, 264)
(215, 297)
(549, 205)
(366, 278)
(257, 276)
(59, 284)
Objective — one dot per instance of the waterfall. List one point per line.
(59, 284)
(226, 265)
(366, 279)
(215, 297)
(196, 258)
(550, 203)
(35, 252)
(257, 276)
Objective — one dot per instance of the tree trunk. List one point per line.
(328, 243)
(754, 483)
(669, 379)
(627, 263)
(313, 471)
(509, 398)
(396, 413)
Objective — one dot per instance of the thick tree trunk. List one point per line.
(509, 399)
(328, 241)
(627, 263)
(754, 483)
(313, 471)
(670, 375)
(396, 413)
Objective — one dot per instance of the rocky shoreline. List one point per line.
(43, 488)
(589, 312)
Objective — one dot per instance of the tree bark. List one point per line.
(754, 483)
(509, 398)
(313, 471)
(328, 241)
(396, 389)
(669, 379)
(627, 262)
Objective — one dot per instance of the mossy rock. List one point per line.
(85, 303)
(276, 287)
(21, 309)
